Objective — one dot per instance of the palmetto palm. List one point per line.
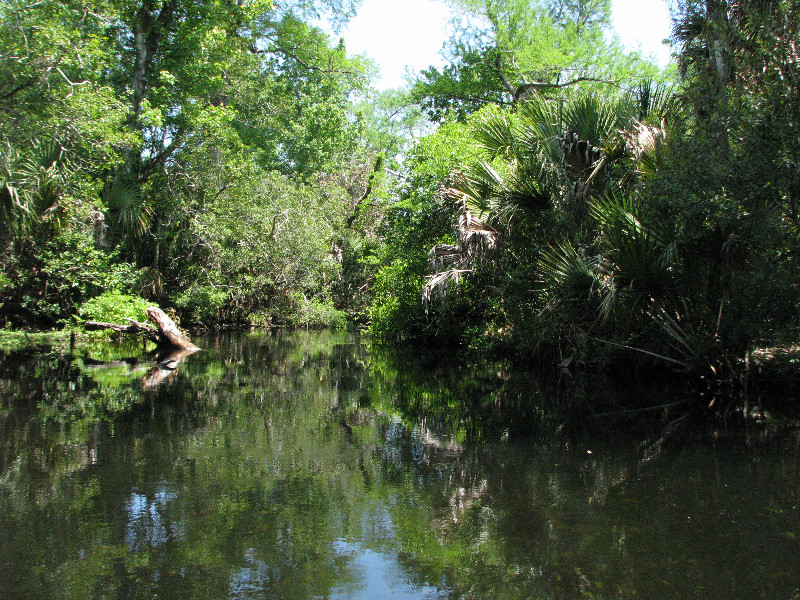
(549, 149)
(32, 185)
(549, 155)
(477, 244)
(127, 209)
(631, 257)
(629, 277)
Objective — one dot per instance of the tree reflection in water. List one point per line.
(309, 466)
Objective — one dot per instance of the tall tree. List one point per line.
(504, 50)
(162, 110)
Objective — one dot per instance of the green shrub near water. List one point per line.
(316, 314)
(114, 307)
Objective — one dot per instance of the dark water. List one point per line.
(305, 466)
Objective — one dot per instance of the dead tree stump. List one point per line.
(168, 330)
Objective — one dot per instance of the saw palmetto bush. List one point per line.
(621, 289)
(558, 221)
(32, 185)
(542, 165)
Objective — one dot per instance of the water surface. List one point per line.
(305, 466)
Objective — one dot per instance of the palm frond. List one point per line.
(682, 341)
(651, 102)
(32, 184)
(594, 120)
(543, 114)
(482, 184)
(440, 284)
(640, 253)
(646, 144)
(443, 256)
(568, 274)
(539, 131)
(495, 133)
(479, 241)
(127, 208)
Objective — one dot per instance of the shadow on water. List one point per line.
(310, 465)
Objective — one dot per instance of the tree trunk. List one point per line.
(167, 333)
(133, 327)
(168, 330)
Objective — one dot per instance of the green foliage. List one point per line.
(32, 184)
(502, 51)
(171, 123)
(388, 122)
(293, 111)
(396, 312)
(128, 212)
(114, 307)
(315, 314)
(49, 281)
(201, 304)
(420, 217)
(257, 244)
(52, 61)
(462, 87)
(603, 236)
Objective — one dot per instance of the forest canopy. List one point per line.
(547, 193)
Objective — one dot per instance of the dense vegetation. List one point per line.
(569, 201)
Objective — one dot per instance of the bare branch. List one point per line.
(71, 84)
(525, 89)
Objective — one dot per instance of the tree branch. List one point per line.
(506, 83)
(293, 56)
(524, 89)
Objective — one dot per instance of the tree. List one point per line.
(505, 50)
(263, 247)
(543, 164)
(420, 216)
(160, 112)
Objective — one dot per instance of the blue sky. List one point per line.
(409, 34)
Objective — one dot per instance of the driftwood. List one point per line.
(133, 327)
(169, 331)
(165, 334)
(174, 347)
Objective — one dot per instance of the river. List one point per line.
(309, 465)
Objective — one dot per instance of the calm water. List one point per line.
(304, 466)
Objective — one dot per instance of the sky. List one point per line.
(409, 34)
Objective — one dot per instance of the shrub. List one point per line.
(316, 314)
(114, 307)
(201, 304)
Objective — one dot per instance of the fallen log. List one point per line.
(168, 330)
(132, 327)
(165, 334)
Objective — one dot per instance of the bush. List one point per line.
(316, 314)
(114, 307)
(44, 284)
(201, 304)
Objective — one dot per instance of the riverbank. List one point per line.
(11, 340)
(776, 369)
